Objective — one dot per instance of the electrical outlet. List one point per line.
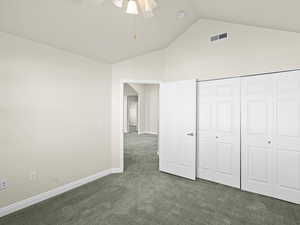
(33, 176)
(3, 184)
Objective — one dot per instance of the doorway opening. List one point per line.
(140, 127)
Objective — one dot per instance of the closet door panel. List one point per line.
(271, 135)
(227, 130)
(219, 143)
(257, 117)
(287, 136)
(206, 145)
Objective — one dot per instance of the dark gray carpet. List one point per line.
(144, 196)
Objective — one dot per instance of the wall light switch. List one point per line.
(33, 176)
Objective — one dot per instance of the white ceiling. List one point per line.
(274, 14)
(104, 32)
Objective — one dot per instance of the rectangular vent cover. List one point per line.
(218, 37)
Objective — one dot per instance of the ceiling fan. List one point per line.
(134, 7)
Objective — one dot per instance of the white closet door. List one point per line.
(177, 136)
(271, 135)
(206, 134)
(257, 128)
(219, 131)
(286, 139)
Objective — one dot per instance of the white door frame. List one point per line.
(122, 83)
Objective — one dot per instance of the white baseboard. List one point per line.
(52, 193)
(148, 132)
(116, 170)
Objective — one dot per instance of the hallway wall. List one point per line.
(128, 91)
(132, 110)
(151, 109)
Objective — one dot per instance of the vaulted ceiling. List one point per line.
(99, 30)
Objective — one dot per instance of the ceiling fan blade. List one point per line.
(147, 7)
(118, 3)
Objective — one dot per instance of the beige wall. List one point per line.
(248, 50)
(54, 115)
(143, 68)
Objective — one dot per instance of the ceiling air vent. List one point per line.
(218, 37)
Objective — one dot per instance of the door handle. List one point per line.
(190, 134)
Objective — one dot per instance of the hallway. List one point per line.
(140, 153)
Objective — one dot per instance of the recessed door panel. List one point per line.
(254, 88)
(224, 116)
(288, 118)
(224, 91)
(288, 169)
(257, 116)
(219, 143)
(258, 161)
(204, 159)
(205, 116)
(224, 158)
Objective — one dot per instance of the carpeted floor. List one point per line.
(144, 196)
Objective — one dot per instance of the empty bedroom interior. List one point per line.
(149, 112)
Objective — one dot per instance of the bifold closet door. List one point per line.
(219, 131)
(271, 135)
(177, 135)
(257, 128)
